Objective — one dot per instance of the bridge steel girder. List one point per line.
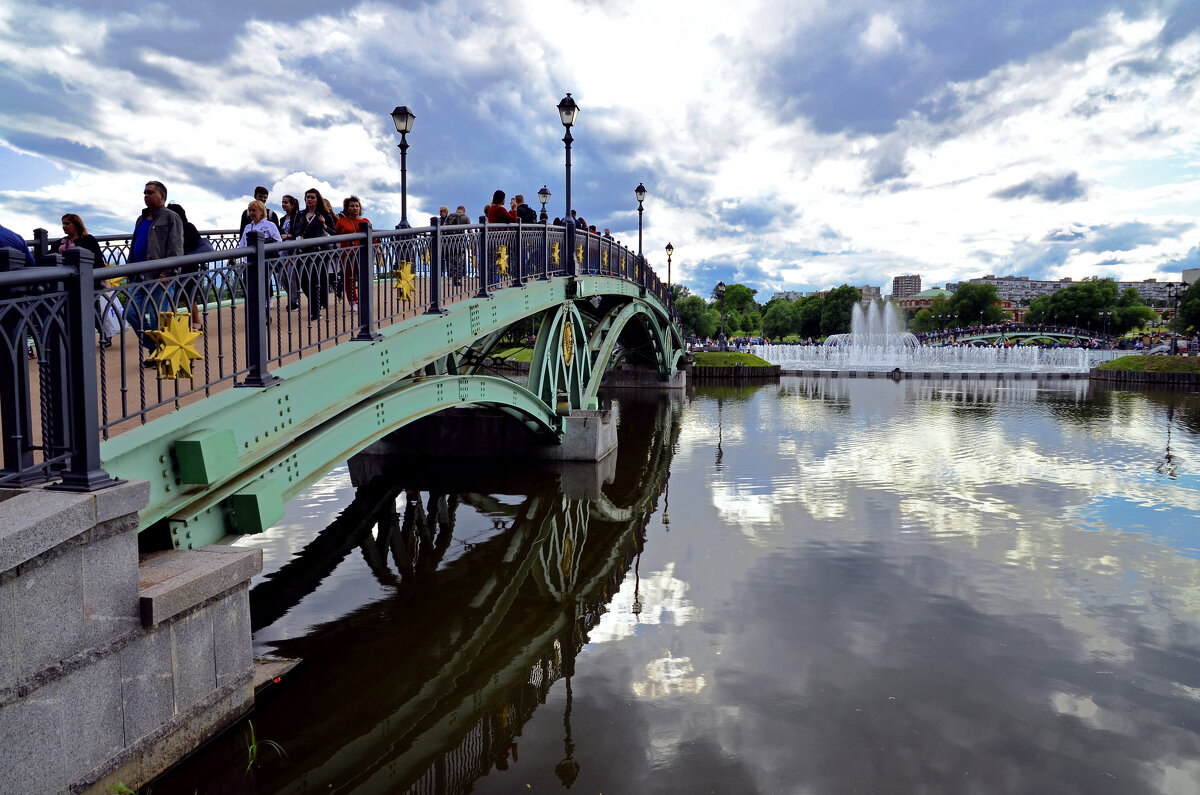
(288, 435)
(608, 331)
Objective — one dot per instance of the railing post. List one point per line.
(483, 263)
(520, 280)
(85, 472)
(366, 283)
(54, 375)
(41, 243)
(573, 267)
(256, 316)
(16, 416)
(435, 260)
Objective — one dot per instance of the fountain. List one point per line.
(876, 344)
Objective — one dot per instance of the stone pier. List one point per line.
(112, 668)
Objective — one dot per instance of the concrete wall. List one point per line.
(90, 693)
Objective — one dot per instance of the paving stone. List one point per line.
(176, 580)
(127, 498)
(93, 729)
(49, 601)
(110, 588)
(36, 521)
(31, 746)
(194, 669)
(147, 684)
(8, 637)
(233, 655)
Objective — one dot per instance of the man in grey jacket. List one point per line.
(158, 234)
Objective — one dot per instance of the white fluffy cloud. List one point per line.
(711, 109)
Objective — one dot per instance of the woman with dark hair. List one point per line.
(75, 235)
(312, 222)
(291, 281)
(193, 243)
(497, 213)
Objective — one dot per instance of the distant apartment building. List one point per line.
(906, 285)
(870, 293)
(1021, 290)
(787, 295)
(1191, 276)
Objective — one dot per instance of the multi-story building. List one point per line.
(786, 295)
(1191, 276)
(906, 285)
(1021, 290)
(870, 293)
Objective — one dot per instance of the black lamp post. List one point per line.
(1173, 291)
(1105, 314)
(721, 295)
(670, 251)
(403, 118)
(640, 193)
(567, 113)
(543, 197)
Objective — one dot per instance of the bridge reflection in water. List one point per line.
(427, 689)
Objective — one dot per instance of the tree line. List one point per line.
(1093, 304)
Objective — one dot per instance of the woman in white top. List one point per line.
(259, 223)
(267, 231)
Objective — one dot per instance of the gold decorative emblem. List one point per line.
(554, 252)
(405, 280)
(176, 348)
(604, 259)
(568, 342)
(425, 256)
(579, 253)
(622, 263)
(502, 260)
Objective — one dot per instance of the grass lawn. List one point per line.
(728, 359)
(521, 354)
(1155, 364)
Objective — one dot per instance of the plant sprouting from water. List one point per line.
(253, 744)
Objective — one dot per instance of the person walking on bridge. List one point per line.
(348, 225)
(158, 234)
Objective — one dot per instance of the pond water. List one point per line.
(815, 586)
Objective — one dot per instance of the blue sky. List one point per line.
(789, 145)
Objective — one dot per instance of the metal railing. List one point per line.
(259, 307)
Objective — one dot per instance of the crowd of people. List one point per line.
(162, 230)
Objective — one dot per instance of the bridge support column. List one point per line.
(588, 435)
(112, 670)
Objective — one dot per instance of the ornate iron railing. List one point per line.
(73, 331)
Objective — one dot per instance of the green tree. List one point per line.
(780, 319)
(694, 316)
(738, 297)
(1189, 308)
(835, 313)
(810, 316)
(972, 302)
(1039, 310)
(923, 321)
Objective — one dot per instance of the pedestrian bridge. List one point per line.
(1037, 337)
(271, 364)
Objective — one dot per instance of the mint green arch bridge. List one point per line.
(228, 463)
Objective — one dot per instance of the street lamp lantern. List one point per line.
(544, 197)
(721, 295)
(640, 193)
(670, 251)
(568, 111)
(403, 118)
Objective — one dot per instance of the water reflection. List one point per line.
(878, 586)
(428, 688)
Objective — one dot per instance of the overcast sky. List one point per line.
(788, 145)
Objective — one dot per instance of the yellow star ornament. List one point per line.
(554, 252)
(604, 260)
(176, 348)
(579, 253)
(502, 260)
(405, 280)
(425, 256)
